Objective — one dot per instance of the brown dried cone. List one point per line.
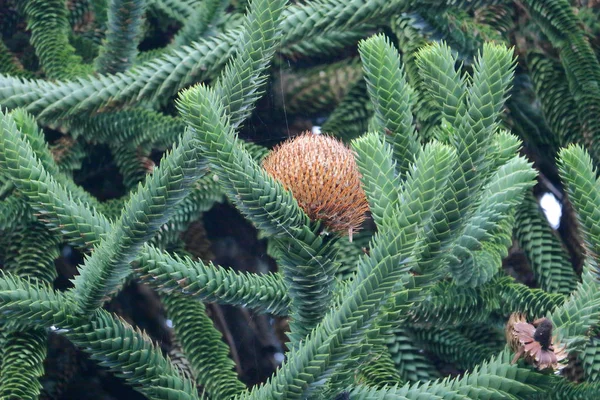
(323, 176)
(535, 342)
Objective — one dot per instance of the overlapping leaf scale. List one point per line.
(368, 363)
(422, 190)
(581, 311)
(203, 346)
(132, 164)
(31, 253)
(13, 212)
(308, 265)
(256, 194)
(558, 21)
(27, 124)
(350, 118)
(361, 392)
(206, 282)
(549, 260)
(202, 22)
(204, 194)
(70, 154)
(579, 174)
(450, 304)
(183, 66)
(150, 207)
(123, 33)
(443, 4)
(391, 97)
(494, 379)
(329, 15)
(460, 30)
(487, 260)
(434, 228)
(179, 10)
(490, 333)
(380, 182)
(552, 88)
(380, 370)
(565, 390)
(590, 357)
(241, 83)
(502, 193)
(35, 305)
(489, 87)
(349, 371)
(535, 303)
(47, 20)
(343, 326)
(410, 41)
(449, 345)
(503, 147)
(130, 354)
(135, 127)
(498, 16)
(164, 76)
(476, 124)
(256, 151)
(408, 356)
(411, 289)
(361, 300)
(325, 45)
(9, 64)
(23, 354)
(155, 79)
(316, 90)
(45, 195)
(446, 89)
(527, 119)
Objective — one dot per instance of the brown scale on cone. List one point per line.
(323, 176)
(534, 342)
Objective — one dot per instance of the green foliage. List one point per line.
(9, 64)
(265, 293)
(408, 357)
(31, 251)
(22, 363)
(204, 346)
(551, 266)
(392, 98)
(351, 117)
(315, 90)
(448, 346)
(116, 155)
(579, 174)
(122, 36)
(48, 23)
(581, 67)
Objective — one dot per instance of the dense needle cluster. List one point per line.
(323, 176)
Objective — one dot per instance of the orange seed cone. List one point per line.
(323, 176)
